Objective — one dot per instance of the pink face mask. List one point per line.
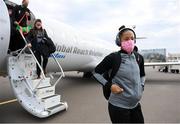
(128, 46)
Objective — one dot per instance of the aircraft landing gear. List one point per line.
(87, 75)
(175, 71)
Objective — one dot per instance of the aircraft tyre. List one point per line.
(87, 75)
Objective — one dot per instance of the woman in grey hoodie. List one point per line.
(127, 83)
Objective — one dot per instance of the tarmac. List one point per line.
(160, 102)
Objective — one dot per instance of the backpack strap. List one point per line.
(140, 61)
(43, 31)
(21, 18)
(137, 57)
(116, 64)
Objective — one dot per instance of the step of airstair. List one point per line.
(45, 92)
(51, 101)
(57, 108)
(42, 83)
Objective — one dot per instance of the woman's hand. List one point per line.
(27, 14)
(16, 23)
(116, 89)
(29, 45)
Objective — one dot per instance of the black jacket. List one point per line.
(18, 13)
(41, 47)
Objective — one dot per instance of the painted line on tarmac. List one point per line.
(8, 102)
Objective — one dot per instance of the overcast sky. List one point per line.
(158, 20)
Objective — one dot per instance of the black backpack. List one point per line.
(49, 43)
(115, 68)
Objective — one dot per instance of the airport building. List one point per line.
(154, 55)
(173, 57)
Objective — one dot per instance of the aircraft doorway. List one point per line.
(16, 41)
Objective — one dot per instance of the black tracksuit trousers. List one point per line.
(121, 115)
(45, 61)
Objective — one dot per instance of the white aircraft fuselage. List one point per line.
(74, 51)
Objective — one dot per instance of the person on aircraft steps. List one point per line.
(41, 44)
(123, 83)
(20, 17)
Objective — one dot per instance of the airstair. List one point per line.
(37, 96)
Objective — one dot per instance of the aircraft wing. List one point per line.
(161, 63)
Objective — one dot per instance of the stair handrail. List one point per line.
(62, 75)
(31, 54)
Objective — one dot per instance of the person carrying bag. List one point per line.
(41, 44)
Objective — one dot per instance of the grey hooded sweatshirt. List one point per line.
(128, 78)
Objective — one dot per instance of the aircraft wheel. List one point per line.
(172, 71)
(87, 75)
